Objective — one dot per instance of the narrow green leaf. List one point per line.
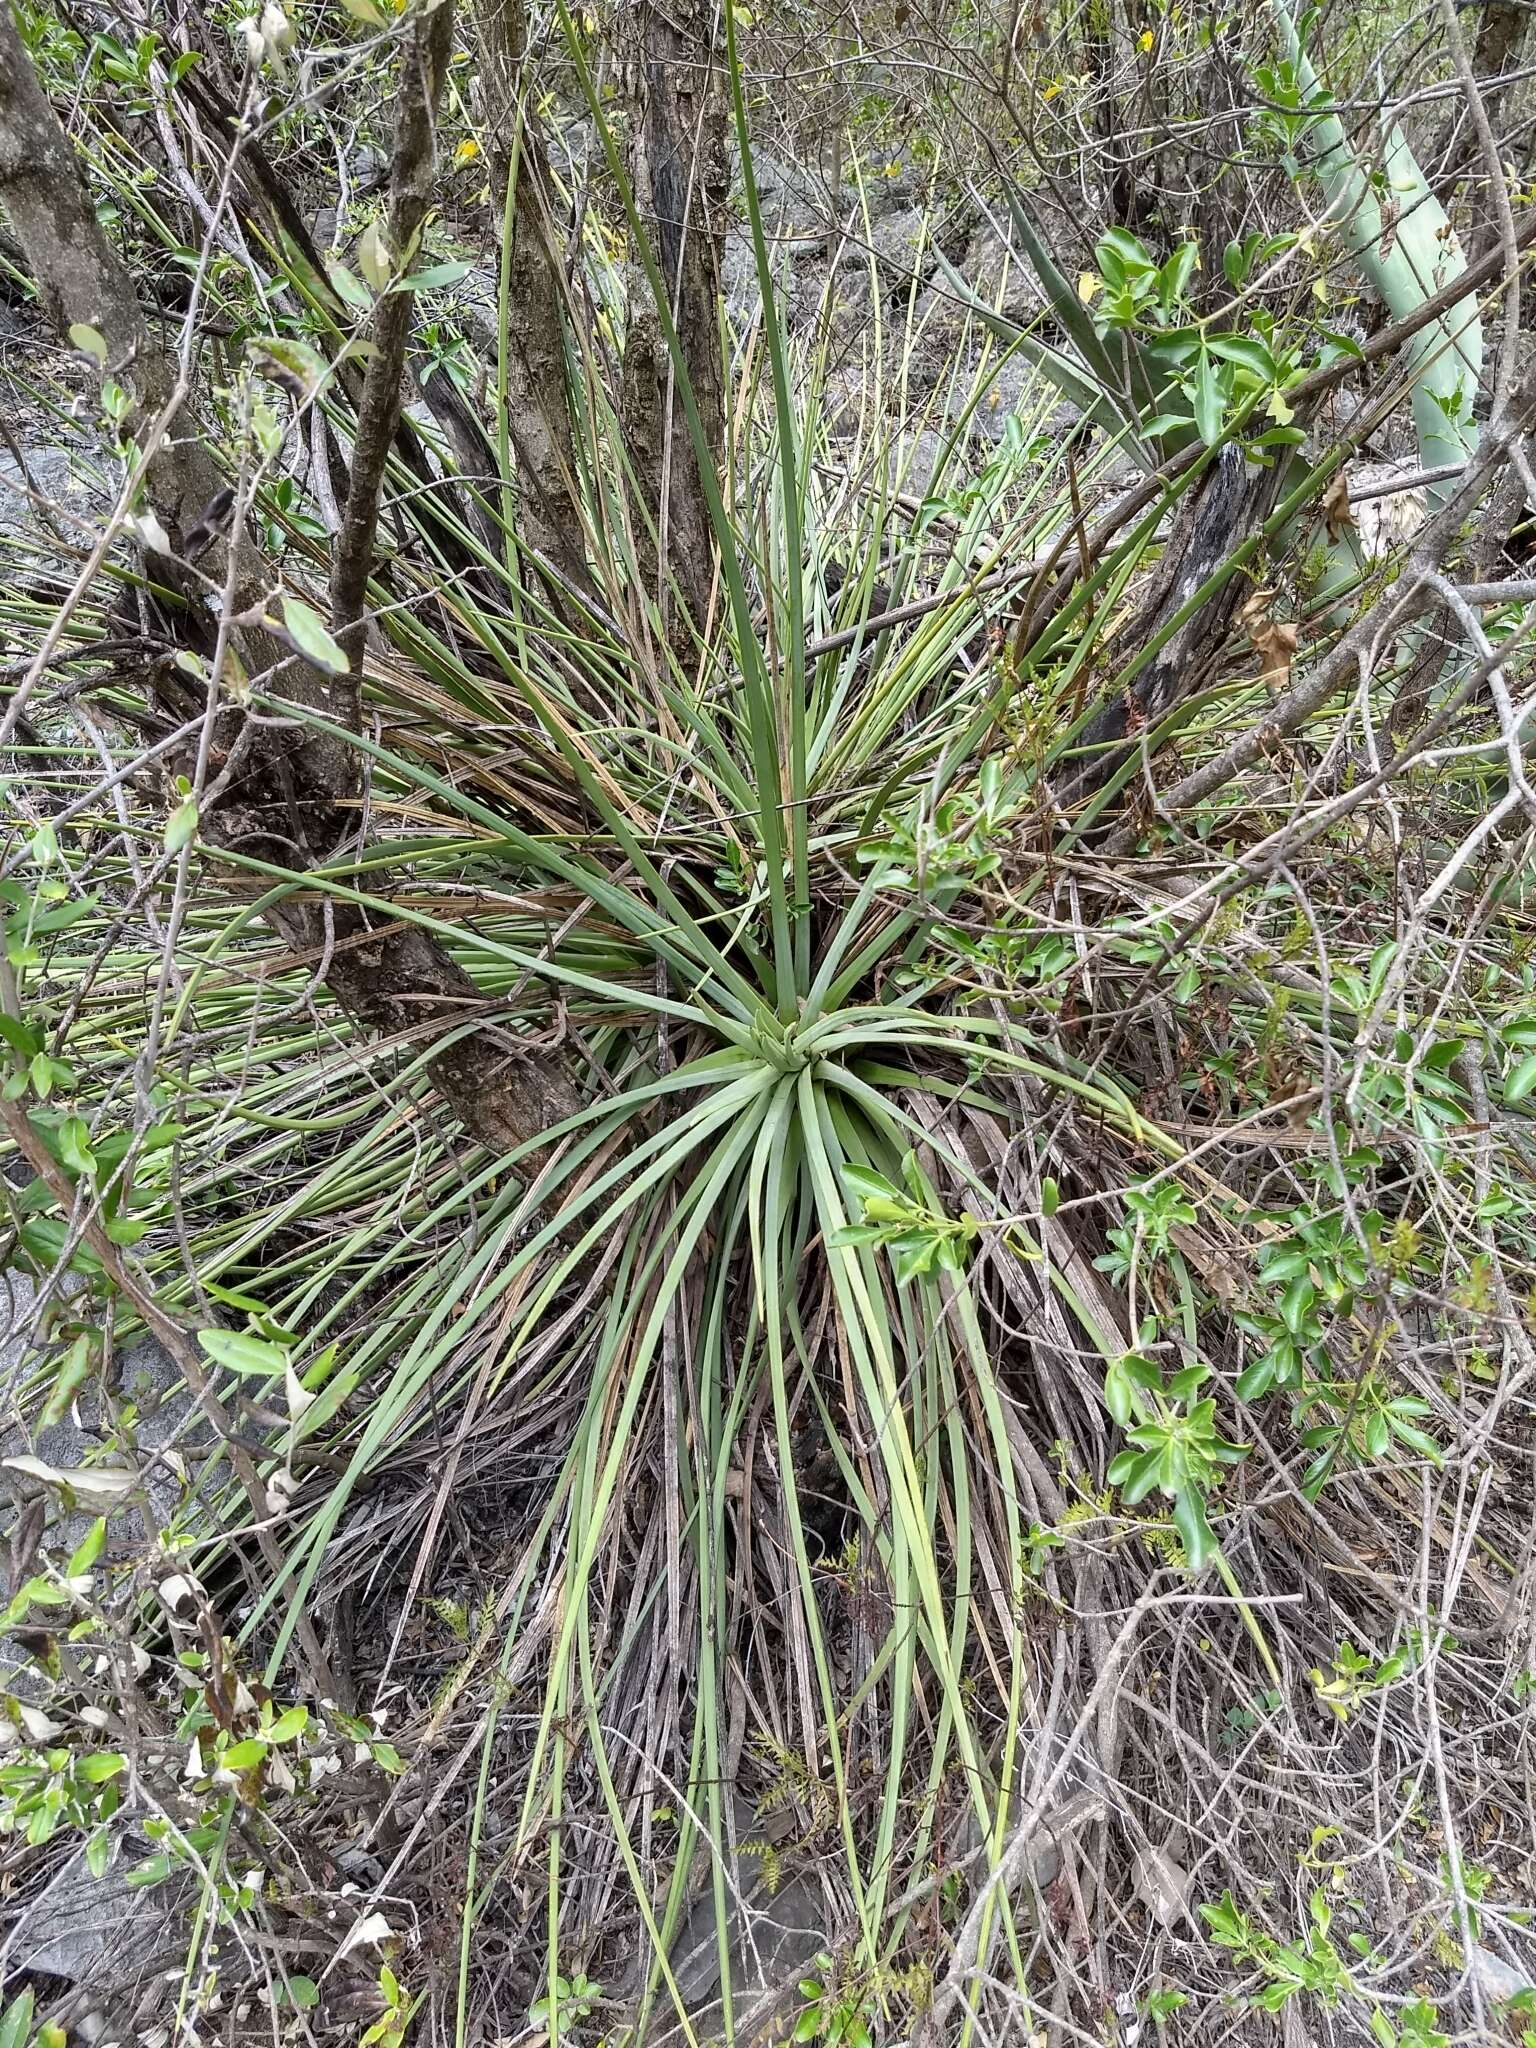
(349, 288)
(89, 1551)
(16, 2023)
(311, 636)
(1195, 1532)
(435, 277)
(101, 1765)
(23, 1038)
(75, 1145)
(1247, 352)
(233, 1348)
(373, 256)
(74, 1370)
(1209, 402)
(181, 825)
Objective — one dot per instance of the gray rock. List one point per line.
(1497, 1979)
(144, 1374)
(1015, 386)
(892, 253)
(841, 399)
(770, 1939)
(571, 140)
(793, 200)
(367, 167)
(997, 273)
(59, 475)
(103, 1933)
(367, 174)
(916, 457)
(739, 279)
(899, 243)
(797, 217)
(894, 186)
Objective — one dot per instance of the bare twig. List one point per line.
(427, 46)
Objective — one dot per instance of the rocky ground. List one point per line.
(857, 266)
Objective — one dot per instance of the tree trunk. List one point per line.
(288, 795)
(413, 177)
(1498, 58)
(265, 205)
(677, 167)
(538, 385)
(1218, 516)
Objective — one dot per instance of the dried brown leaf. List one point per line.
(1164, 1885)
(1337, 512)
(1273, 640)
(1391, 214)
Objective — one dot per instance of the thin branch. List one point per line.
(1409, 596)
(423, 66)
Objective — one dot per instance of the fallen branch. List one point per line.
(1009, 1869)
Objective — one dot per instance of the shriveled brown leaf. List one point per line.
(1163, 1884)
(1337, 511)
(1225, 1277)
(1273, 640)
(1391, 214)
(1276, 649)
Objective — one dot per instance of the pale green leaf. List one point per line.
(89, 1551)
(373, 256)
(312, 637)
(88, 340)
(233, 1348)
(181, 825)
